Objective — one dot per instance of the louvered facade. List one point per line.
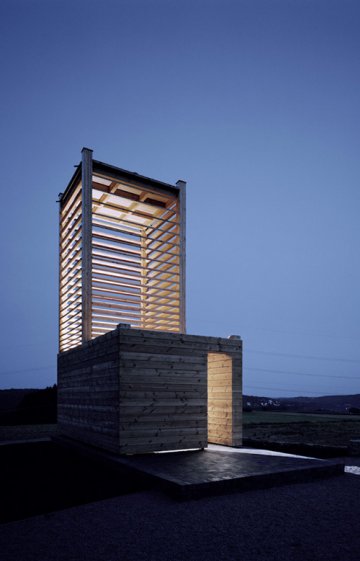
(122, 253)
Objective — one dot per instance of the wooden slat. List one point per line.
(66, 208)
(132, 212)
(117, 250)
(74, 226)
(131, 265)
(115, 272)
(69, 261)
(69, 240)
(109, 282)
(136, 185)
(114, 239)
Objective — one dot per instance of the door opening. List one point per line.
(220, 399)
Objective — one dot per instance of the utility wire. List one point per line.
(311, 357)
(9, 372)
(301, 373)
(299, 392)
(290, 331)
(248, 387)
(288, 372)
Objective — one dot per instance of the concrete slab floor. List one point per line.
(193, 474)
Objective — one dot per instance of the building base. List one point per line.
(136, 391)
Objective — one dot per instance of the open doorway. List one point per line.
(220, 399)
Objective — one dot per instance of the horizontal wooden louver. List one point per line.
(70, 270)
(135, 272)
(135, 259)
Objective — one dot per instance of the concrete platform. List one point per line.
(194, 474)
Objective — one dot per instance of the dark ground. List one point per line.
(45, 476)
(42, 477)
(304, 522)
(26, 432)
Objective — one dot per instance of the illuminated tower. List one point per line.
(122, 253)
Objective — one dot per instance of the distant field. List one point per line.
(327, 430)
(265, 426)
(283, 417)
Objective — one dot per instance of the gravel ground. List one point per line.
(18, 433)
(305, 522)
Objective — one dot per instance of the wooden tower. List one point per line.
(122, 253)
(130, 380)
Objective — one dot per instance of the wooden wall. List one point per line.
(164, 391)
(88, 392)
(134, 391)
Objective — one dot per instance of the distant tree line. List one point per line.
(35, 407)
(354, 410)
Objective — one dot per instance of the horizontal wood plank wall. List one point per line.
(135, 391)
(88, 392)
(163, 389)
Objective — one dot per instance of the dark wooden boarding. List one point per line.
(135, 391)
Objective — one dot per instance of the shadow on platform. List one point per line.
(195, 474)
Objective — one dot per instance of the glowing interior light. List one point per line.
(101, 180)
(125, 261)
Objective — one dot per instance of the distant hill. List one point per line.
(14, 399)
(28, 406)
(10, 399)
(322, 404)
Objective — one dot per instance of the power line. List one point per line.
(249, 387)
(17, 345)
(300, 392)
(301, 373)
(287, 372)
(9, 372)
(311, 357)
(287, 331)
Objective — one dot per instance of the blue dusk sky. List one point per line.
(257, 105)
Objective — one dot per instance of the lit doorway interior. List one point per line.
(220, 399)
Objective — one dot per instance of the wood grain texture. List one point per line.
(149, 390)
(122, 253)
(88, 392)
